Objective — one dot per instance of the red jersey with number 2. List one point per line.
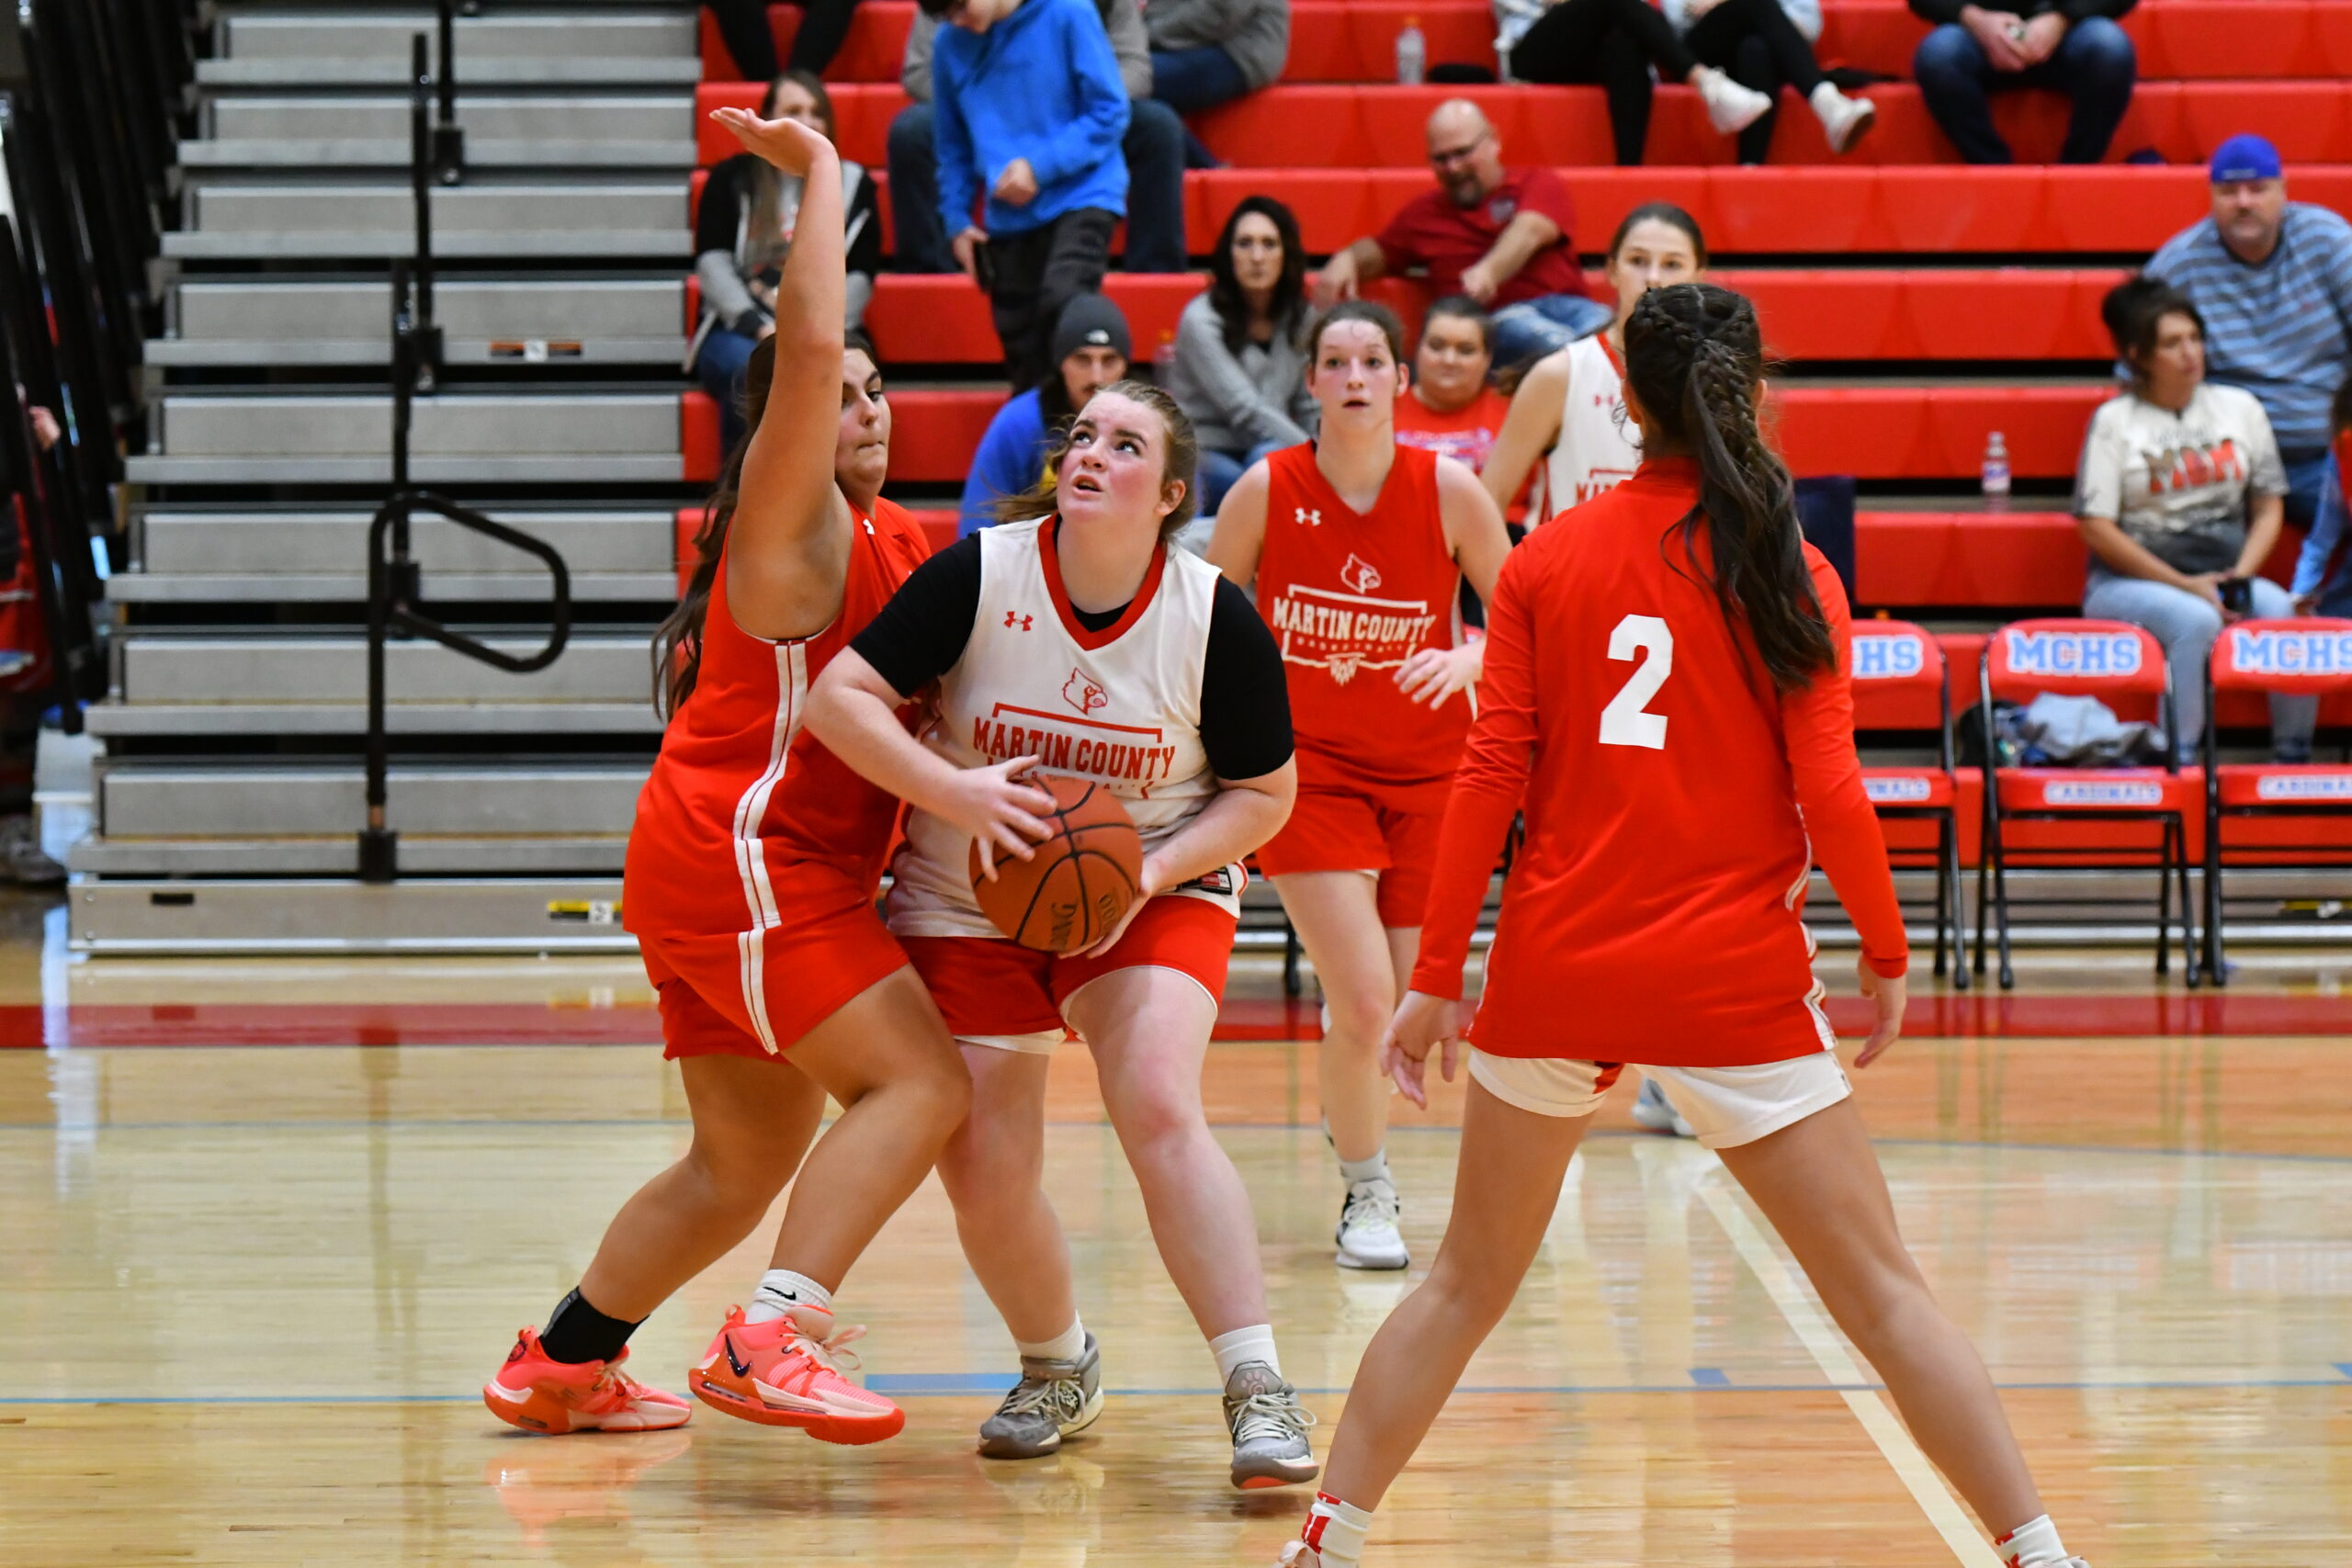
(1653, 913)
(1351, 595)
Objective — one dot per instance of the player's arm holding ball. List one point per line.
(1474, 532)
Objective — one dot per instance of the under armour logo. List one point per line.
(1360, 574)
(1308, 519)
(1081, 693)
(1015, 621)
(869, 526)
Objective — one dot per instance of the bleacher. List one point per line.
(1917, 307)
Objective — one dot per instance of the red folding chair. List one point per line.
(2119, 664)
(1901, 682)
(2310, 657)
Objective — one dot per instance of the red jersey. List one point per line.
(739, 790)
(1351, 595)
(1467, 436)
(1653, 915)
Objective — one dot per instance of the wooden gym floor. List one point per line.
(267, 1227)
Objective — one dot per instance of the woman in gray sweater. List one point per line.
(1240, 373)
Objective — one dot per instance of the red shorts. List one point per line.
(1392, 833)
(754, 993)
(995, 992)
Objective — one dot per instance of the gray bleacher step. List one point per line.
(338, 915)
(592, 588)
(503, 721)
(483, 321)
(232, 217)
(171, 801)
(266, 545)
(538, 470)
(420, 855)
(317, 46)
(311, 131)
(587, 71)
(243, 672)
(335, 437)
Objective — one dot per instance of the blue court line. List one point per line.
(964, 1384)
(1710, 1376)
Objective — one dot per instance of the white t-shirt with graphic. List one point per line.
(2179, 483)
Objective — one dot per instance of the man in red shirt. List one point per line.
(1501, 236)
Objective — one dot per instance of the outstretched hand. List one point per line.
(789, 145)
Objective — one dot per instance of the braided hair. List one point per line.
(1694, 358)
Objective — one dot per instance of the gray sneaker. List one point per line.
(21, 859)
(1270, 1446)
(1052, 1401)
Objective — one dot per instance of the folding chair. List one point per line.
(2310, 657)
(1901, 682)
(2111, 660)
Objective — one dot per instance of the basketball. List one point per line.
(1076, 888)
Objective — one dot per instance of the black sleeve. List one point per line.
(865, 251)
(1245, 697)
(920, 633)
(1937, 12)
(721, 212)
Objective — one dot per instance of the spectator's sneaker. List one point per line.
(1731, 108)
(788, 1373)
(543, 1395)
(1270, 1446)
(1053, 1400)
(1654, 1113)
(22, 862)
(1367, 1234)
(1843, 118)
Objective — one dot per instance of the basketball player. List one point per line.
(1662, 697)
(749, 887)
(1071, 638)
(1358, 547)
(1571, 412)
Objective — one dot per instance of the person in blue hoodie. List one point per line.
(1028, 108)
(1090, 349)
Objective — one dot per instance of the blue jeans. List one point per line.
(1191, 80)
(2094, 64)
(2315, 502)
(2186, 627)
(1219, 470)
(1533, 328)
(1155, 153)
(720, 369)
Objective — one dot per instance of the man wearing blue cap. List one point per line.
(2273, 279)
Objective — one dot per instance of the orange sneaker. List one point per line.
(788, 1373)
(543, 1395)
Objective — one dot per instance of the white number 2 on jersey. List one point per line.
(1623, 722)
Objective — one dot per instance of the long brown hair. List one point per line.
(764, 246)
(1182, 461)
(1694, 356)
(677, 641)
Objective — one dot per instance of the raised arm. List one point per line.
(1530, 430)
(788, 548)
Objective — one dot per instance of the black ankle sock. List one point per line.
(577, 1332)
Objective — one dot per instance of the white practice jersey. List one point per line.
(1120, 707)
(1599, 446)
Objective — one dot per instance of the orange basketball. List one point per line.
(1078, 885)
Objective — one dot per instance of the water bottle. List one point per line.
(1412, 53)
(1997, 473)
(1163, 360)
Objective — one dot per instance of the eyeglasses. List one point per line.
(1441, 157)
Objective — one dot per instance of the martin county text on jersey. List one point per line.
(1343, 633)
(1119, 754)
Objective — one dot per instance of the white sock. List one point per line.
(1067, 1345)
(780, 1291)
(1373, 1167)
(2033, 1544)
(1243, 1345)
(1335, 1530)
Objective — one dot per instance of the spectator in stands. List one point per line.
(1206, 52)
(1239, 374)
(2179, 500)
(2073, 47)
(1449, 407)
(1090, 350)
(1153, 147)
(740, 234)
(1767, 45)
(2323, 569)
(744, 25)
(2273, 277)
(1502, 236)
(1616, 43)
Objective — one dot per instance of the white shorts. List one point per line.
(1725, 1106)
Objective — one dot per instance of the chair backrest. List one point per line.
(1899, 678)
(2309, 656)
(2107, 660)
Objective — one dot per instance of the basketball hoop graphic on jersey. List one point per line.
(1082, 694)
(1308, 518)
(1360, 574)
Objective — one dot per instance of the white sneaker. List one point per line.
(1653, 1111)
(1731, 108)
(1367, 1234)
(1844, 118)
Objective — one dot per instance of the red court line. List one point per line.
(445, 1023)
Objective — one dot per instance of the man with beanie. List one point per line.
(1090, 348)
(2074, 47)
(2273, 279)
(1028, 108)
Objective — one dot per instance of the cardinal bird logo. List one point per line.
(1081, 693)
(1360, 574)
